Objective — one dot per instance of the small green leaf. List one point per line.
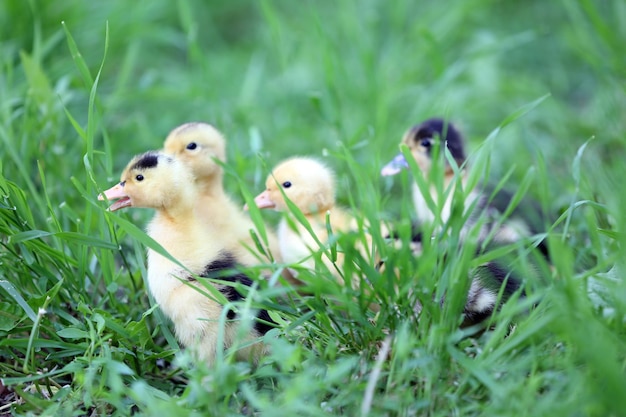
(10, 315)
(73, 333)
(67, 236)
(8, 287)
(78, 58)
(29, 235)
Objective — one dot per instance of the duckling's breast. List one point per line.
(294, 244)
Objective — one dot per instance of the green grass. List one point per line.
(84, 86)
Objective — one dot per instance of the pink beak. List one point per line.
(396, 165)
(118, 193)
(263, 200)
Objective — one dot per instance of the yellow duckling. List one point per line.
(200, 146)
(310, 186)
(159, 181)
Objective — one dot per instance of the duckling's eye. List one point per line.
(192, 145)
(286, 184)
(139, 177)
(426, 143)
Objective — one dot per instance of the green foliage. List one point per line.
(537, 86)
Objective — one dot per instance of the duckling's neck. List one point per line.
(318, 210)
(449, 177)
(318, 216)
(177, 217)
(220, 215)
(212, 188)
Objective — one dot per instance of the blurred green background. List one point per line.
(304, 77)
(337, 80)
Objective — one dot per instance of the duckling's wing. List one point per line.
(528, 209)
(224, 267)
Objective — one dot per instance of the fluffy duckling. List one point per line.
(159, 181)
(310, 186)
(422, 140)
(200, 146)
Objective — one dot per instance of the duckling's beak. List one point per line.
(263, 200)
(116, 193)
(396, 165)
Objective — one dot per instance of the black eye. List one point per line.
(426, 142)
(286, 184)
(139, 177)
(192, 145)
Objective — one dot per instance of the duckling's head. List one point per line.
(152, 180)
(307, 182)
(198, 145)
(422, 140)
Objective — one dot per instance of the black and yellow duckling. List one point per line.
(427, 140)
(162, 182)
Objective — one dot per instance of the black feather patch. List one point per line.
(472, 317)
(261, 325)
(224, 267)
(147, 160)
(528, 211)
(491, 277)
(416, 233)
(503, 276)
(494, 276)
(224, 261)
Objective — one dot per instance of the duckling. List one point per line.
(159, 181)
(310, 186)
(421, 140)
(201, 146)
(486, 279)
